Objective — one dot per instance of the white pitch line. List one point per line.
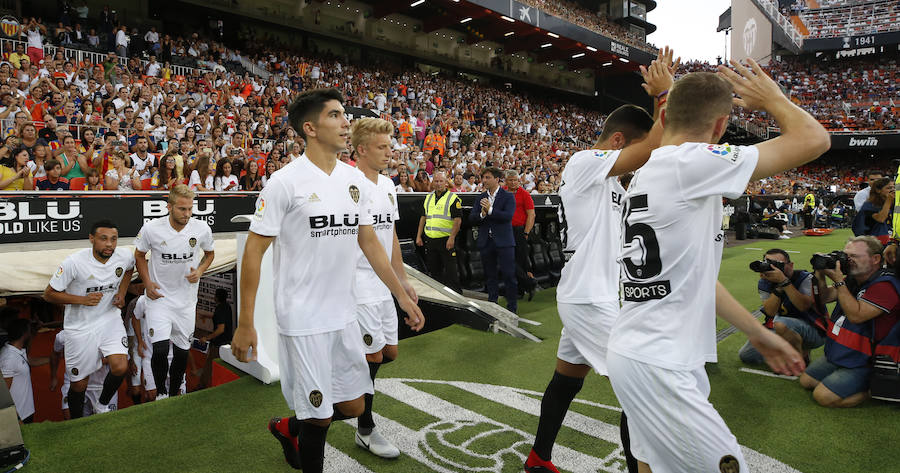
(337, 460)
(750, 248)
(792, 251)
(767, 373)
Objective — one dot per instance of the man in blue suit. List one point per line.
(496, 243)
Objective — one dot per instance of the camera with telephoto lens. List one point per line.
(766, 265)
(829, 261)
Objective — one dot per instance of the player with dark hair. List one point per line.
(171, 280)
(92, 284)
(316, 211)
(670, 256)
(588, 292)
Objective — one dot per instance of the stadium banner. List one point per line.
(852, 42)
(751, 32)
(533, 16)
(42, 216)
(860, 141)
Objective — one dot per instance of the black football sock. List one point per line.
(159, 364)
(338, 415)
(110, 387)
(294, 425)
(176, 371)
(630, 461)
(312, 447)
(554, 405)
(76, 403)
(136, 398)
(366, 423)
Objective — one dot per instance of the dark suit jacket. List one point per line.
(498, 223)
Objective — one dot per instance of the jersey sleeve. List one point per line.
(207, 243)
(142, 240)
(63, 276)
(708, 170)
(8, 366)
(139, 307)
(601, 163)
(272, 205)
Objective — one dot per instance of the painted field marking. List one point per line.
(767, 373)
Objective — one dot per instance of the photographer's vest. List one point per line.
(788, 309)
(896, 222)
(438, 222)
(850, 345)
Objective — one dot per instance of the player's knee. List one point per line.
(389, 353)
(352, 408)
(118, 366)
(79, 386)
(808, 382)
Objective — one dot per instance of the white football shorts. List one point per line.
(585, 333)
(377, 324)
(85, 349)
(168, 324)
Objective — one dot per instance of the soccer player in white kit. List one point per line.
(316, 211)
(92, 284)
(138, 332)
(94, 388)
(375, 311)
(670, 256)
(587, 296)
(170, 282)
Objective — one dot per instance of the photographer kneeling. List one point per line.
(787, 299)
(868, 307)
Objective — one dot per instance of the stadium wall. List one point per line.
(751, 32)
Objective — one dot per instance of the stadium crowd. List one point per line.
(592, 20)
(839, 18)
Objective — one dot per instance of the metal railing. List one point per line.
(8, 46)
(753, 128)
(771, 8)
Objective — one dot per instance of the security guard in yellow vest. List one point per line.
(441, 221)
(890, 251)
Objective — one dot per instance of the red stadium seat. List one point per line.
(77, 183)
(145, 184)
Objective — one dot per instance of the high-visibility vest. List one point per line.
(429, 145)
(406, 132)
(438, 221)
(896, 223)
(440, 144)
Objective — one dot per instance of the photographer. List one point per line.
(787, 299)
(868, 307)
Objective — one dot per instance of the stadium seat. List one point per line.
(76, 183)
(145, 184)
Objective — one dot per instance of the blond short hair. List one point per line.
(180, 191)
(873, 246)
(364, 129)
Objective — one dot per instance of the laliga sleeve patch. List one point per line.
(59, 272)
(725, 151)
(260, 209)
(601, 154)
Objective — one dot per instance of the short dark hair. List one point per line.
(493, 172)
(309, 105)
(103, 224)
(632, 121)
(16, 328)
(50, 164)
(874, 171)
(221, 294)
(779, 251)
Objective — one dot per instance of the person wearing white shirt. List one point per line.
(153, 67)
(863, 195)
(16, 370)
(122, 42)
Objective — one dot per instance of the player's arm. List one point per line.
(139, 342)
(778, 353)
(54, 368)
(60, 297)
(245, 336)
(374, 252)
(400, 270)
(151, 288)
(802, 139)
(419, 231)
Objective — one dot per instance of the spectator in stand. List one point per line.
(165, 178)
(225, 180)
(34, 31)
(421, 182)
(252, 180)
(863, 195)
(403, 182)
(874, 218)
(203, 176)
(53, 181)
(121, 177)
(92, 181)
(15, 175)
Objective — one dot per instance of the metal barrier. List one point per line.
(771, 7)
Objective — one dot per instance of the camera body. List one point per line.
(766, 265)
(829, 261)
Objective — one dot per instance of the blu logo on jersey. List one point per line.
(324, 221)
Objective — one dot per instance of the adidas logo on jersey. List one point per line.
(314, 198)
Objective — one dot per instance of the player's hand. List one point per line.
(142, 347)
(450, 243)
(419, 241)
(92, 299)
(54, 382)
(890, 254)
(778, 353)
(243, 341)
(410, 291)
(151, 289)
(194, 275)
(660, 76)
(118, 301)
(756, 89)
(414, 317)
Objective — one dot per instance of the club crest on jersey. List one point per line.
(729, 464)
(151, 332)
(367, 339)
(354, 194)
(75, 371)
(119, 272)
(192, 242)
(125, 342)
(315, 398)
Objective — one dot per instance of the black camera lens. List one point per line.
(760, 266)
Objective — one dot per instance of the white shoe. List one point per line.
(784, 237)
(377, 444)
(160, 397)
(787, 232)
(103, 408)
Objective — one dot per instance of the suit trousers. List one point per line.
(523, 264)
(503, 260)
(441, 263)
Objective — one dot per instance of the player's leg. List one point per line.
(379, 322)
(160, 331)
(182, 331)
(82, 358)
(114, 348)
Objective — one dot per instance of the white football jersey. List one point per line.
(172, 255)
(671, 251)
(81, 274)
(385, 213)
(136, 309)
(315, 218)
(591, 206)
